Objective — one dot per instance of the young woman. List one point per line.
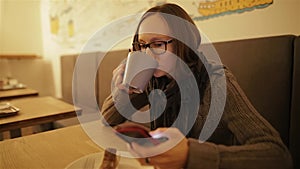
(243, 138)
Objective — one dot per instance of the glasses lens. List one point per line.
(158, 47)
(140, 46)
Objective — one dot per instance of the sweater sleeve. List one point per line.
(260, 144)
(111, 114)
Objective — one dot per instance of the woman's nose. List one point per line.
(150, 53)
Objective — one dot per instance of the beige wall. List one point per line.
(282, 17)
(20, 27)
(25, 27)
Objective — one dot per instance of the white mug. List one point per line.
(138, 71)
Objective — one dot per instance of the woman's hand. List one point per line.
(171, 154)
(117, 79)
(118, 74)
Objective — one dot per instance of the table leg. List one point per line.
(15, 133)
(43, 127)
(1, 136)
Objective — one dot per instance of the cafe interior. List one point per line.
(57, 59)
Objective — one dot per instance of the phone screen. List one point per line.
(138, 135)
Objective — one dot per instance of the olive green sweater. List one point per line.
(242, 140)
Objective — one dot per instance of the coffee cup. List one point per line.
(138, 71)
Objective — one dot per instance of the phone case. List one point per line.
(138, 135)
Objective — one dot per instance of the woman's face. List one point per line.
(155, 28)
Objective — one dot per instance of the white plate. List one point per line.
(10, 87)
(93, 161)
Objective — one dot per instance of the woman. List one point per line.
(243, 139)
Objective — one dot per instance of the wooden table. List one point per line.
(54, 149)
(37, 110)
(14, 93)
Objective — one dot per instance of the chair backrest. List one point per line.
(295, 112)
(109, 62)
(267, 69)
(104, 63)
(35, 73)
(263, 68)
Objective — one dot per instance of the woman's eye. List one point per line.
(157, 44)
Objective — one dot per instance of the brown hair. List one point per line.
(186, 40)
(187, 35)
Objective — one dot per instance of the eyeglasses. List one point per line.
(156, 47)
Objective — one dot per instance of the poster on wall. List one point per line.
(211, 8)
(72, 22)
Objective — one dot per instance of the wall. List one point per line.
(279, 18)
(0, 23)
(25, 26)
(282, 17)
(21, 30)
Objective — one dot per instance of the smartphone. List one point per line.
(138, 135)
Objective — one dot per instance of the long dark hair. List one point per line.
(186, 42)
(187, 35)
(187, 38)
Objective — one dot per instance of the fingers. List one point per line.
(138, 156)
(142, 161)
(132, 152)
(118, 74)
(144, 152)
(139, 150)
(158, 131)
(167, 132)
(117, 79)
(163, 154)
(145, 160)
(174, 138)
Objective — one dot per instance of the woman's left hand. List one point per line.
(171, 154)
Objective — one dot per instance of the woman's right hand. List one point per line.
(172, 153)
(118, 74)
(117, 79)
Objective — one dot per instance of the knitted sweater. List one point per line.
(243, 138)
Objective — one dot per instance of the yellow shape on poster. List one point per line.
(221, 6)
(54, 25)
(71, 28)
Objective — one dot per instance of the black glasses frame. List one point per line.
(139, 46)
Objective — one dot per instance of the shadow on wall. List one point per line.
(34, 73)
